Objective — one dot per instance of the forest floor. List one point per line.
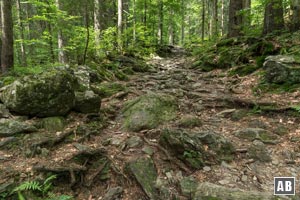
(225, 104)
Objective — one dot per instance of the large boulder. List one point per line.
(50, 93)
(282, 69)
(197, 149)
(148, 111)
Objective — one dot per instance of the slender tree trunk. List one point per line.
(87, 41)
(160, 22)
(247, 14)
(203, 20)
(214, 21)
(235, 24)
(51, 48)
(120, 10)
(21, 30)
(171, 28)
(134, 21)
(182, 22)
(295, 6)
(62, 58)
(222, 17)
(273, 20)
(7, 51)
(97, 28)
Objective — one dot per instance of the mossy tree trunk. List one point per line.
(273, 19)
(7, 52)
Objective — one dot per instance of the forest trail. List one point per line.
(266, 143)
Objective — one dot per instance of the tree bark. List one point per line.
(161, 22)
(62, 58)
(203, 21)
(182, 22)
(97, 29)
(273, 19)
(21, 29)
(295, 6)
(120, 19)
(7, 51)
(235, 18)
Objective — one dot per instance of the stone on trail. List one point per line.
(10, 127)
(87, 102)
(47, 94)
(148, 111)
(197, 149)
(257, 133)
(282, 69)
(258, 151)
(207, 190)
(144, 171)
(53, 124)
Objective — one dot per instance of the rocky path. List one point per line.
(112, 162)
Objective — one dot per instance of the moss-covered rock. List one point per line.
(190, 147)
(87, 102)
(144, 171)
(53, 124)
(10, 127)
(107, 89)
(210, 191)
(50, 93)
(148, 111)
(189, 122)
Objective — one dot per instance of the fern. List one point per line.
(29, 186)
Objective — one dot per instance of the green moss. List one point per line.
(108, 89)
(189, 122)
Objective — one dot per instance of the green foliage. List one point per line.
(37, 188)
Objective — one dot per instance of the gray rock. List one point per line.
(189, 147)
(4, 112)
(50, 93)
(211, 191)
(87, 102)
(134, 141)
(148, 111)
(281, 69)
(258, 151)
(10, 127)
(113, 194)
(256, 133)
(144, 171)
(53, 124)
(188, 186)
(148, 150)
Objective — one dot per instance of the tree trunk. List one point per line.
(97, 29)
(120, 9)
(273, 19)
(222, 17)
(247, 14)
(214, 19)
(203, 20)
(7, 51)
(171, 28)
(295, 6)
(182, 22)
(21, 30)
(161, 22)
(134, 21)
(235, 18)
(62, 58)
(87, 40)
